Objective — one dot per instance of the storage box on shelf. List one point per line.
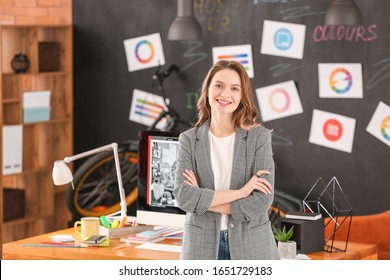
(45, 138)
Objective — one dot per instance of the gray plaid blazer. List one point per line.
(249, 229)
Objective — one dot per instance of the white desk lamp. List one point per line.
(62, 175)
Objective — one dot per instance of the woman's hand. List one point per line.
(256, 183)
(190, 178)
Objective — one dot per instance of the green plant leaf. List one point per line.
(281, 234)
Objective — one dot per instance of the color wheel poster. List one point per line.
(146, 107)
(340, 80)
(239, 53)
(332, 130)
(283, 39)
(144, 52)
(279, 101)
(379, 125)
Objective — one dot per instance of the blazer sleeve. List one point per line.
(189, 198)
(257, 203)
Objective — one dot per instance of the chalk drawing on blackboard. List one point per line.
(379, 125)
(283, 39)
(381, 75)
(298, 12)
(191, 53)
(332, 130)
(340, 80)
(280, 69)
(279, 140)
(279, 101)
(144, 52)
(146, 107)
(192, 100)
(239, 53)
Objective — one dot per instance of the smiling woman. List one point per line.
(218, 175)
(224, 93)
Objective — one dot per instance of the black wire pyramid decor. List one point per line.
(330, 200)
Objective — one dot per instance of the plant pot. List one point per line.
(287, 250)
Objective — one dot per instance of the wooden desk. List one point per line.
(355, 251)
(15, 250)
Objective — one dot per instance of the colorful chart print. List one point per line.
(146, 108)
(332, 131)
(138, 53)
(239, 53)
(279, 101)
(385, 128)
(242, 58)
(144, 52)
(379, 125)
(283, 39)
(340, 80)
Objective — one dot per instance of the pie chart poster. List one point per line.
(340, 80)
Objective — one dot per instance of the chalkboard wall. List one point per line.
(103, 86)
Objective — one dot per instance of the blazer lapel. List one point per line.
(202, 157)
(239, 156)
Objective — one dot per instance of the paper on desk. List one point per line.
(58, 238)
(299, 257)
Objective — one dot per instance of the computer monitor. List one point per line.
(157, 155)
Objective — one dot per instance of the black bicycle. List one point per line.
(95, 182)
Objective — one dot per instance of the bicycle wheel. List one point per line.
(96, 190)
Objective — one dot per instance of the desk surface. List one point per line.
(15, 250)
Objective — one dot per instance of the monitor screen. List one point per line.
(157, 156)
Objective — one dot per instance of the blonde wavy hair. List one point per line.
(246, 114)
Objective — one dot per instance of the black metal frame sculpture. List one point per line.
(339, 210)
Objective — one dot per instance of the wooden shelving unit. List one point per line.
(43, 142)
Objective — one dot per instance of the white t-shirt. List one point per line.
(221, 153)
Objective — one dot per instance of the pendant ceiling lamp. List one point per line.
(343, 12)
(185, 26)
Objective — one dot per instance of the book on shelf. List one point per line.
(300, 215)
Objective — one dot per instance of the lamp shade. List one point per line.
(61, 173)
(343, 12)
(185, 26)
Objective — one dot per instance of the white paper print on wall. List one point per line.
(146, 107)
(239, 53)
(332, 130)
(379, 125)
(283, 39)
(144, 52)
(340, 80)
(279, 101)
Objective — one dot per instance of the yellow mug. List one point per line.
(89, 227)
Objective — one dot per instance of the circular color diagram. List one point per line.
(340, 80)
(137, 51)
(333, 130)
(385, 128)
(278, 106)
(283, 39)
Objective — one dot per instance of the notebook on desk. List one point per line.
(160, 247)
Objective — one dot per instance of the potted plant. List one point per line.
(286, 247)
